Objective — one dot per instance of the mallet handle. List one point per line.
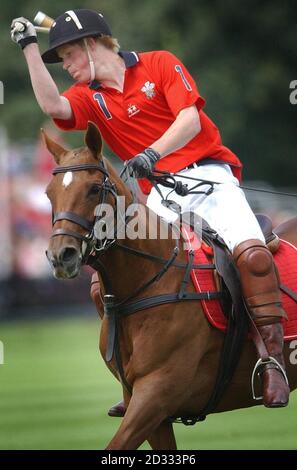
(41, 29)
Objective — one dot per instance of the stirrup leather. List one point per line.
(258, 370)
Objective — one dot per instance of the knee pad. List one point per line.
(258, 260)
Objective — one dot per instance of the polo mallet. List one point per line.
(43, 21)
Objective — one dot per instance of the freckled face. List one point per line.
(75, 62)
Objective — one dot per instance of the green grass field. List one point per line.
(55, 391)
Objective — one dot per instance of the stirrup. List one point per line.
(260, 364)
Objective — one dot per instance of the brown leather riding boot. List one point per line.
(118, 410)
(260, 288)
(275, 388)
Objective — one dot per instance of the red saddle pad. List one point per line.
(203, 280)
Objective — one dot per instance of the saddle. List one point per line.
(222, 273)
(214, 246)
(222, 278)
(271, 239)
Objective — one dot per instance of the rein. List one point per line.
(167, 179)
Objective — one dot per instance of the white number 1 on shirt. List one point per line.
(179, 70)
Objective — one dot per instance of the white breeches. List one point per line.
(226, 209)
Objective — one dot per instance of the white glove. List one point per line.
(23, 32)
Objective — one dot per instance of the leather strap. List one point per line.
(111, 315)
(70, 233)
(75, 218)
(186, 278)
(149, 302)
(158, 259)
(289, 292)
(86, 166)
(257, 339)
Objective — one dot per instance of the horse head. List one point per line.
(82, 182)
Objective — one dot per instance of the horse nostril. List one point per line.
(51, 258)
(67, 254)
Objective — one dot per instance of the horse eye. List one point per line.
(94, 190)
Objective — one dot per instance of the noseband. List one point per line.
(90, 242)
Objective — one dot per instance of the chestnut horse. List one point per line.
(170, 353)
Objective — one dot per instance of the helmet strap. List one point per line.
(91, 62)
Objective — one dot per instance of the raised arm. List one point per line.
(44, 87)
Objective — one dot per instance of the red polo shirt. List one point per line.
(157, 87)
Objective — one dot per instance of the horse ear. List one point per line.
(55, 149)
(93, 140)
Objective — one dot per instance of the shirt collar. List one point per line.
(130, 59)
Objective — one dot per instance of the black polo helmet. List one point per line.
(72, 26)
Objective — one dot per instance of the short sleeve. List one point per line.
(81, 108)
(177, 83)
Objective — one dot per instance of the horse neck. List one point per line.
(128, 271)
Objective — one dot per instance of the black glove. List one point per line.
(142, 165)
(23, 32)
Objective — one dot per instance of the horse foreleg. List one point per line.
(163, 438)
(143, 416)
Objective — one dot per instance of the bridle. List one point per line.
(89, 242)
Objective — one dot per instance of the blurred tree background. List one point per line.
(242, 55)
